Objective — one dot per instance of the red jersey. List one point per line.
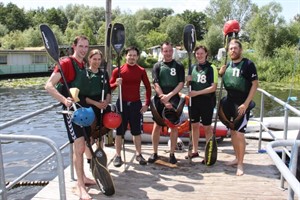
(68, 69)
(131, 80)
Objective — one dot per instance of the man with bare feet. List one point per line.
(241, 82)
(74, 71)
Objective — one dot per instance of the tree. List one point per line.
(13, 17)
(70, 32)
(144, 26)
(154, 38)
(13, 40)
(33, 37)
(3, 30)
(56, 17)
(158, 14)
(263, 29)
(131, 31)
(173, 27)
(36, 17)
(297, 18)
(220, 11)
(198, 19)
(213, 40)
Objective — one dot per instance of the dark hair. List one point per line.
(94, 52)
(236, 41)
(77, 38)
(201, 47)
(132, 48)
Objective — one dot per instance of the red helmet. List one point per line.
(231, 26)
(112, 120)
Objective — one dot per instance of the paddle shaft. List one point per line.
(118, 41)
(211, 144)
(108, 33)
(189, 40)
(226, 42)
(189, 109)
(121, 110)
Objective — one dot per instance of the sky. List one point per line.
(290, 7)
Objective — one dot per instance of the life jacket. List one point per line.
(233, 78)
(168, 75)
(95, 83)
(199, 79)
(87, 82)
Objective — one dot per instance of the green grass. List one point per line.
(37, 83)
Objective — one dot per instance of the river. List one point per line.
(20, 156)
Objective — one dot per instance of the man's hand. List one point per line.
(144, 109)
(119, 81)
(68, 102)
(222, 70)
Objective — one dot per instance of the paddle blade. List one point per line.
(118, 37)
(101, 156)
(189, 38)
(211, 151)
(50, 42)
(102, 177)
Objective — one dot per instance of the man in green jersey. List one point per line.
(168, 79)
(240, 81)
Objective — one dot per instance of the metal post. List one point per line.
(293, 167)
(108, 21)
(109, 136)
(2, 177)
(285, 128)
(261, 119)
(71, 162)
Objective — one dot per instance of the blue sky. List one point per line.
(290, 7)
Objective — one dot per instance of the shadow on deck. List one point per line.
(189, 181)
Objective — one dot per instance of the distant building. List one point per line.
(178, 54)
(31, 61)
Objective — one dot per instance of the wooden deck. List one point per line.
(188, 181)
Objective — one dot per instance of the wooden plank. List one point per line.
(188, 181)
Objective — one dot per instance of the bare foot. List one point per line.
(88, 181)
(83, 195)
(240, 170)
(230, 163)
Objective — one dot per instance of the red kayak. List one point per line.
(183, 130)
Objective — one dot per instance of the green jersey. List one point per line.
(203, 76)
(233, 79)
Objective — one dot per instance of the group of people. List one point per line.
(240, 81)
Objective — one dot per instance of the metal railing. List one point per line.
(285, 172)
(31, 138)
(288, 173)
(286, 107)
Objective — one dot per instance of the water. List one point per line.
(20, 156)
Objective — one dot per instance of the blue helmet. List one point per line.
(83, 116)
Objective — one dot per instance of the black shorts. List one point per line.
(131, 115)
(74, 131)
(230, 110)
(202, 107)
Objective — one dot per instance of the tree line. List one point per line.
(269, 40)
